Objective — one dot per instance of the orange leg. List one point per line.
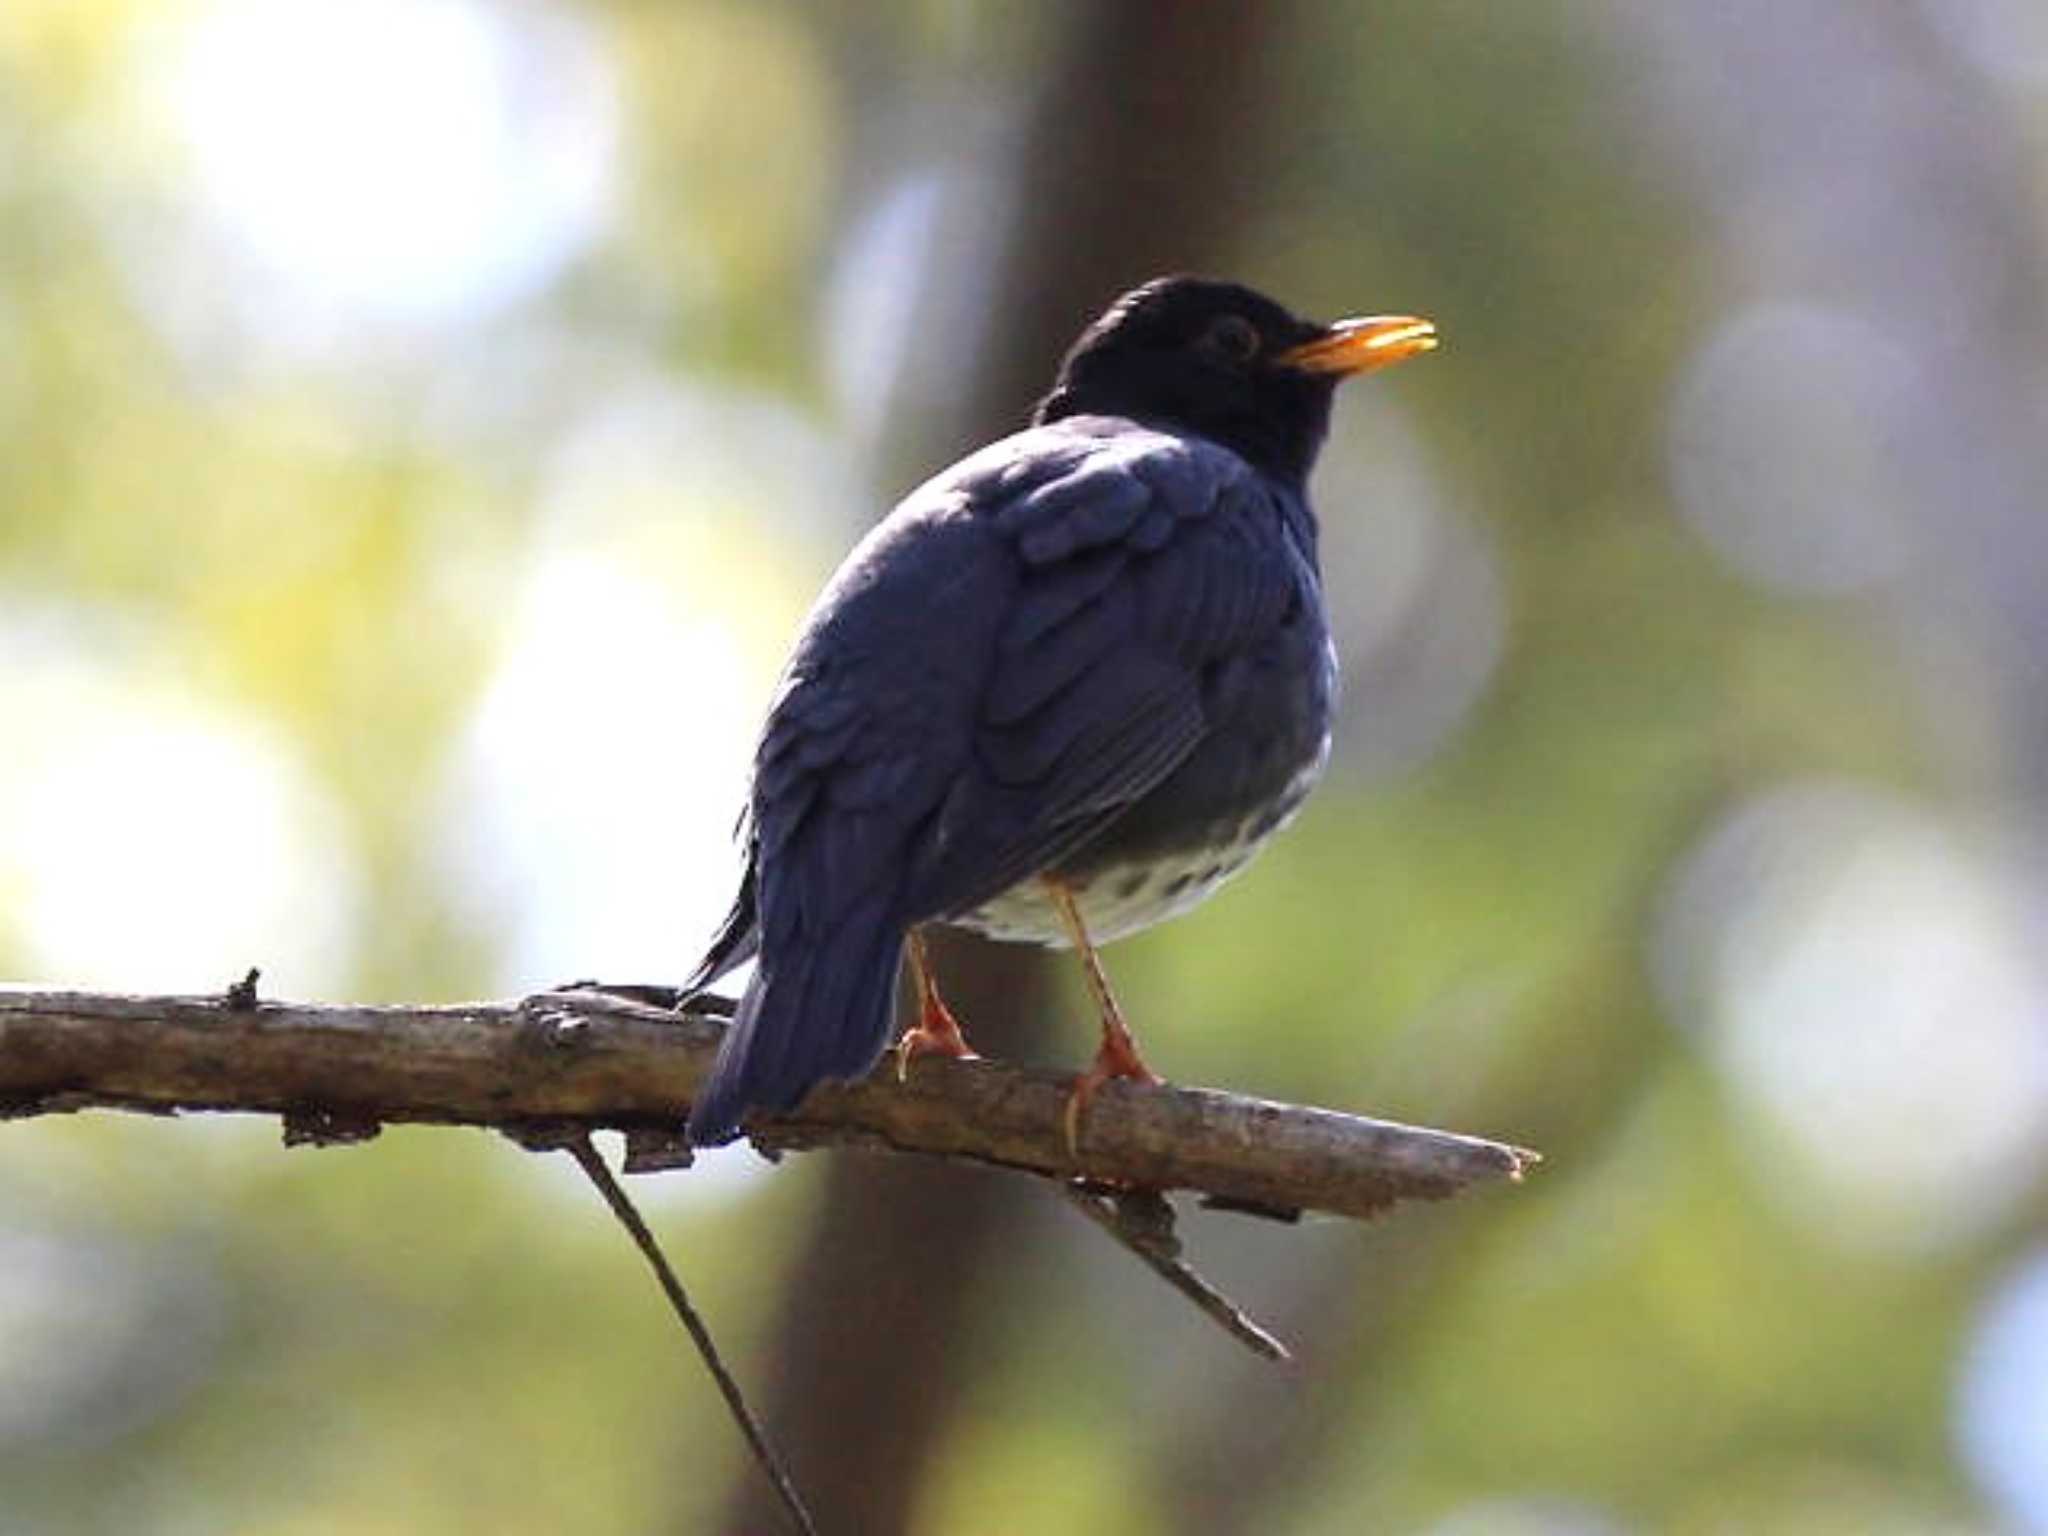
(1117, 1056)
(936, 1031)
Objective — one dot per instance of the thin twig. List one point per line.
(593, 1166)
(1142, 1220)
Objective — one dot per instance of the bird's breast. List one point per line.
(1123, 885)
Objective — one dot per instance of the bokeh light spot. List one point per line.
(1783, 449)
(2006, 39)
(1418, 608)
(606, 862)
(2002, 1413)
(1862, 970)
(99, 1335)
(150, 842)
(397, 162)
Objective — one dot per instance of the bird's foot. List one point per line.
(1117, 1058)
(936, 1033)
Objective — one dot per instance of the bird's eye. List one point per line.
(1233, 338)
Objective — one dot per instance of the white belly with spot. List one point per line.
(1113, 902)
(1121, 899)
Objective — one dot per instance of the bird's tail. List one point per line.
(822, 1012)
(737, 940)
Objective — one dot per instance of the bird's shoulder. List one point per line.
(1086, 482)
(1053, 504)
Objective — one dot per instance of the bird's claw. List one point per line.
(936, 1033)
(1118, 1059)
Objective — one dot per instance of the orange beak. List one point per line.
(1363, 344)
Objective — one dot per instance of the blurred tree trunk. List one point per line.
(1143, 156)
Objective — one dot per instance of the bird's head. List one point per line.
(1228, 363)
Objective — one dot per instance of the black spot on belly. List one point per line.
(1264, 823)
(1179, 883)
(1130, 885)
(1212, 874)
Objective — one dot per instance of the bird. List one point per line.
(1062, 692)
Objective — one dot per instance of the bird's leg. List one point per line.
(936, 1031)
(1117, 1056)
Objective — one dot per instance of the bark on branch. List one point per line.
(584, 1060)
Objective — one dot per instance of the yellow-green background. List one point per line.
(421, 427)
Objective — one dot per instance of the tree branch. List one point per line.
(338, 1072)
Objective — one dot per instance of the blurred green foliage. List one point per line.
(437, 1333)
